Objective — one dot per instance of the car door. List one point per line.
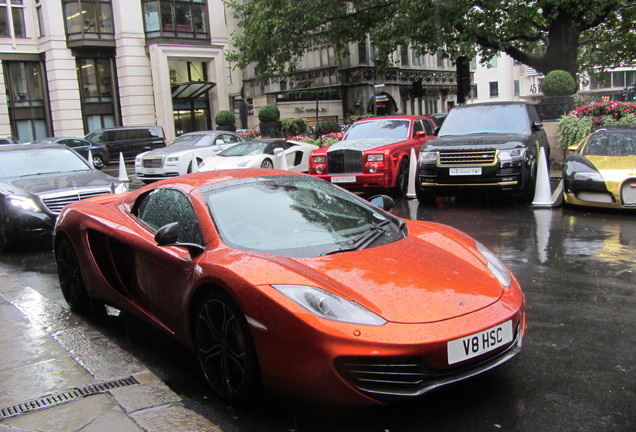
(79, 146)
(165, 274)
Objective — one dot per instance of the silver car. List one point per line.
(177, 158)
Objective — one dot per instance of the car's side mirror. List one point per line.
(537, 126)
(278, 152)
(168, 235)
(219, 142)
(421, 134)
(385, 202)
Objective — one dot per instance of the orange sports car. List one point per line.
(285, 282)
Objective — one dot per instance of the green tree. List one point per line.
(546, 35)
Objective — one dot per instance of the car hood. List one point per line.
(426, 277)
(363, 144)
(43, 184)
(477, 140)
(167, 151)
(614, 168)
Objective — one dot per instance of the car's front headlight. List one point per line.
(428, 157)
(510, 155)
(588, 176)
(23, 203)
(375, 157)
(330, 306)
(172, 159)
(320, 159)
(121, 188)
(495, 265)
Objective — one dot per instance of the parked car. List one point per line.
(602, 170)
(99, 153)
(262, 154)
(129, 140)
(36, 182)
(492, 145)
(438, 118)
(374, 153)
(284, 281)
(9, 140)
(176, 159)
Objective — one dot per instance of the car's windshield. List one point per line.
(294, 216)
(476, 119)
(194, 140)
(31, 161)
(615, 143)
(381, 128)
(244, 149)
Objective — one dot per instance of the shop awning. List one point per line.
(191, 89)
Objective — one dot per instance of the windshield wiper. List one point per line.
(364, 239)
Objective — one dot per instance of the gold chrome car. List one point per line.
(602, 170)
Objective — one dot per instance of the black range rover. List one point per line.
(484, 145)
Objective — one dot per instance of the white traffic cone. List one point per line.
(123, 174)
(90, 159)
(542, 191)
(195, 164)
(410, 191)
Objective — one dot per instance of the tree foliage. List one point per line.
(546, 35)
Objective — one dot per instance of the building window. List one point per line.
(12, 18)
(494, 89)
(417, 58)
(40, 18)
(97, 83)
(363, 57)
(492, 63)
(440, 59)
(89, 19)
(27, 100)
(404, 55)
(516, 87)
(176, 18)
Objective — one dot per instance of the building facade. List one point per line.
(331, 87)
(72, 66)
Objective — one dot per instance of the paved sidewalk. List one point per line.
(58, 374)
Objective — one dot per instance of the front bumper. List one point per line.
(357, 182)
(441, 179)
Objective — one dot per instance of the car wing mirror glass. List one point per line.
(168, 235)
(537, 126)
(385, 202)
(219, 142)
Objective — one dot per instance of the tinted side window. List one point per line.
(430, 130)
(417, 126)
(164, 206)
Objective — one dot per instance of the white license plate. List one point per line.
(150, 170)
(479, 343)
(343, 179)
(465, 171)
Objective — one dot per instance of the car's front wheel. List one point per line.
(70, 275)
(225, 349)
(7, 236)
(267, 164)
(98, 162)
(402, 181)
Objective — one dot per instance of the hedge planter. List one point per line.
(229, 128)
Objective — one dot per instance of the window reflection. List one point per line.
(175, 18)
(89, 19)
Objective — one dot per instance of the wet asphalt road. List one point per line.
(576, 371)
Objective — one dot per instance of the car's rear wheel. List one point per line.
(225, 349)
(70, 275)
(424, 197)
(402, 181)
(267, 164)
(98, 162)
(197, 161)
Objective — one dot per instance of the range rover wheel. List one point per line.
(424, 197)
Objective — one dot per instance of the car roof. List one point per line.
(492, 103)
(29, 147)
(393, 117)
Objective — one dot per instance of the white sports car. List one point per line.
(262, 154)
(176, 158)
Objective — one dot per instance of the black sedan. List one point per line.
(37, 181)
(99, 152)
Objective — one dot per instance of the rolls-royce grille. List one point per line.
(55, 203)
(479, 157)
(628, 192)
(155, 162)
(344, 161)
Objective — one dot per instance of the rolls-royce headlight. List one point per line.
(172, 159)
(495, 265)
(375, 157)
(320, 159)
(330, 306)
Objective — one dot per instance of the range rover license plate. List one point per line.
(479, 343)
(343, 179)
(465, 171)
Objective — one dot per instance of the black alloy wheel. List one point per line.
(7, 238)
(402, 182)
(225, 349)
(70, 276)
(98, 162)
